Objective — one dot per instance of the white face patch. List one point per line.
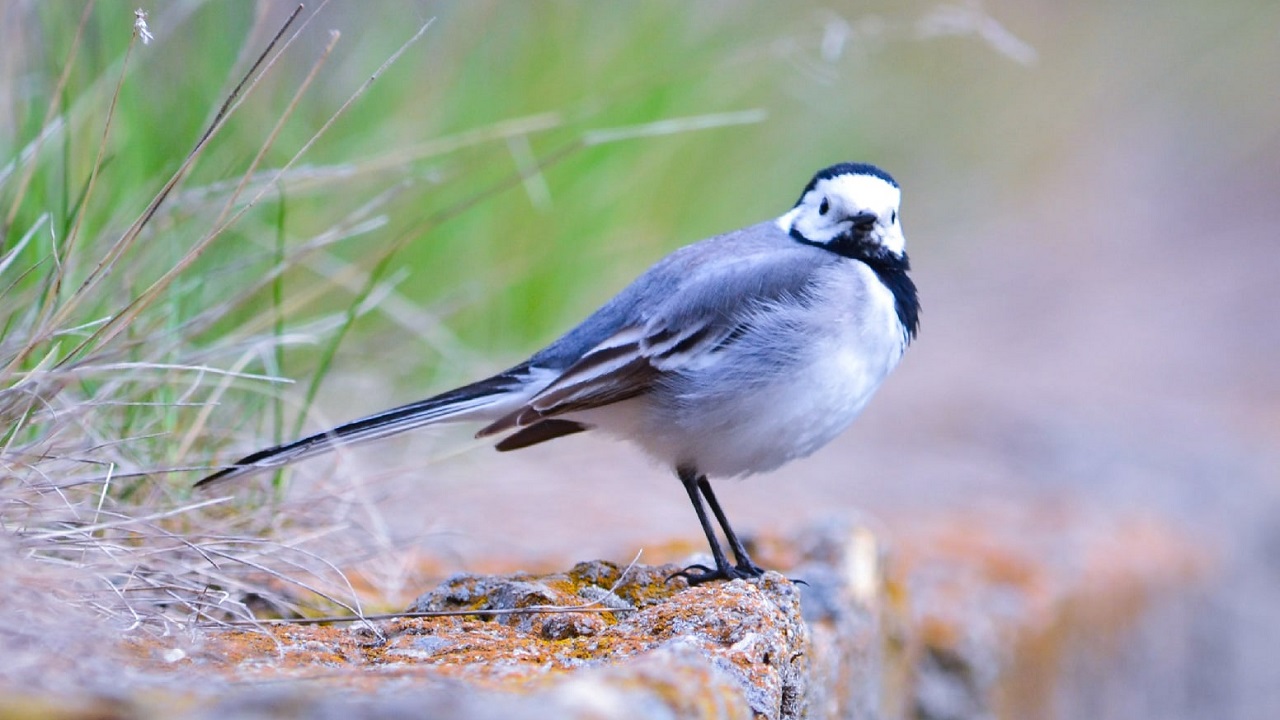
(826, 211)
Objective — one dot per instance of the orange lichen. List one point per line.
(1029, 582)
(1012, 590)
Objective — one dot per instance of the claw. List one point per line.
(689, 574)
(697, 574)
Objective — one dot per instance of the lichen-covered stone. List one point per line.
(964, 617)
(750, 634)
(648, 646)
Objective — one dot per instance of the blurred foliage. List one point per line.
(514, 270)
(965, 103)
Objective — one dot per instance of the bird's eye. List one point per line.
(894, 217)
(824, 207)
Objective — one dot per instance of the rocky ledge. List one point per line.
(970, 617)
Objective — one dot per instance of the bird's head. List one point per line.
(850, 209)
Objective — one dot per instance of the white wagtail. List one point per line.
(728, 357)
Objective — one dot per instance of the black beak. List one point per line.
(864, 222)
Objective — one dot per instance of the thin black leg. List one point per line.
(744, 563)
(697, 487)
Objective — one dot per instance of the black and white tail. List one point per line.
(483, 400)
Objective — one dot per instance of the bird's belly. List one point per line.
(783, 418)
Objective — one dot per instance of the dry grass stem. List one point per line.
(48, 127)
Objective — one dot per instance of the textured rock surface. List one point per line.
(968, 617)
(750, 634)
(659, 648)
(1008, 607)
(510, 647)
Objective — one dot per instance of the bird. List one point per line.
(728, 357)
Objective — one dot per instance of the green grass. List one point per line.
(514, 167)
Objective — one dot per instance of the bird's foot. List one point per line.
(697, 574)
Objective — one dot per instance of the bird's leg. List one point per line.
(697, 574)
(696, 485)
(744, 563)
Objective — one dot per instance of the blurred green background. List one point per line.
(1091, 200)
(975, 107)
(902, 86)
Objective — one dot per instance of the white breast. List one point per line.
(785, 389)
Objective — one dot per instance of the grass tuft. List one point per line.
(107, 389)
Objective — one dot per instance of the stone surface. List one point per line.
(750, 632)
(513, 646)
(659, 649)
(1003, 604)
(966, 616)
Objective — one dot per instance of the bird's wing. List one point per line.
(674, 321)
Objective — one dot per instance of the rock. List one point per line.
(967, 616)
(748, 636)
(1007, 606)
(595, 641)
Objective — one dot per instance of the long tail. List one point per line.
(468, 402)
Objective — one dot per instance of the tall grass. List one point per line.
(122, 311)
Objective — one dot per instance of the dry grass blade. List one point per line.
(113, 254)
(54, 288)
(672, 126)
(504, 130)
(293, 579)
(69, 243)
(499, 612)
(121, 321)
(237, 93)
(107, 367)
(13, 253)
(275, 132)
(54, 99)
(115, 524)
